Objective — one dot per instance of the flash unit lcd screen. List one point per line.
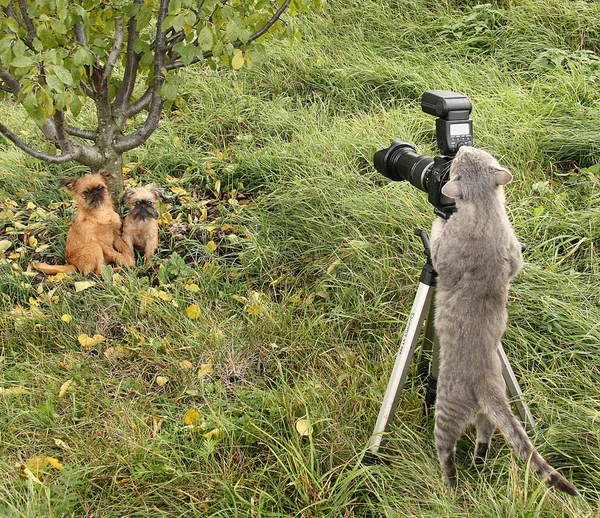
(459, 129)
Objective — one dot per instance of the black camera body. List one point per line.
(454, 129)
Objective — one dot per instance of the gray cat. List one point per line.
(476, 254)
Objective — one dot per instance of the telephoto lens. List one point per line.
(400, 161)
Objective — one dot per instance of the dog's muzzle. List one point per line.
(95, 197)
(143, 209)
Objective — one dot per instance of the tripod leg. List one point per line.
(515, 390)
(403, 359)
(428, 344)
(430, 367)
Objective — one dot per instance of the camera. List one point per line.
(454, 129)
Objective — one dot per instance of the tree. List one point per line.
(122, 57)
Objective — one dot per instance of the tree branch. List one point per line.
(87, 90)
(62, 139)
(238, 43)
(81, 133)
(140, 104)
(156, 103)
(131, 63)
(33, 152)
(31, 32)
(80, 35)
(114, 51)
(13, 84)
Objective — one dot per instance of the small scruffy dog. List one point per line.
(140, 226)
(94, 239)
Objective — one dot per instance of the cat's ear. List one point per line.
(452, 189)
(503, 176)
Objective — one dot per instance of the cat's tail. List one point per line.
(53, 269)
(499, 411)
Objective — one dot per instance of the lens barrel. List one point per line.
(400, 161)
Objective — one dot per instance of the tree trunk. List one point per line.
(114, 164)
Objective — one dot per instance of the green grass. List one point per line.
(305, 298)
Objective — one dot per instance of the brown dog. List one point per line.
(94, 238)
(140, 226)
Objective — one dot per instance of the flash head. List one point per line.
(454, 128)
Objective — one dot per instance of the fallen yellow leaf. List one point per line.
(193, 312)
(205, 369)
(59, 277)
(215, 434)
(117, 353)
(191, 417)
(179, 191)
(211, 246)
(161, 381)
(184, 364)
(83, 285)
(66, 318)
(24, 471)
(87, 342)
(156, 424)
(39, 463)
(13, 391)
(5, 244)
(62, 444)
(63, 388)
(303, 427)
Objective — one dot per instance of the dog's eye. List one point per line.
(86, 191)
(100, 187)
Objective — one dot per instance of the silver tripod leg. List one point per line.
(407, 348)
(515, 391)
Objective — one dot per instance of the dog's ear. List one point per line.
(107, 175)
(159, 193)
(127, 195)
(69, 183)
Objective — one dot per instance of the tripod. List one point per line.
(423, 307)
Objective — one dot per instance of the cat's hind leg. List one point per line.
(451, 419)
(485, 430)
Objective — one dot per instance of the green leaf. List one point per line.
(205, 38)
(33, 110)
(61, 9)
(58, 27)
(132, 9)
(168, 91)
(63, 74)
(37, 45)
(75, 105)
(45, 102)
(46, 37)
(12, 25)
(54, 83)
(83, 57)
(23, 62)
(19, 48)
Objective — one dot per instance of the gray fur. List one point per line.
(476, 254)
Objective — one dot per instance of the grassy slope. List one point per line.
(326, 256)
